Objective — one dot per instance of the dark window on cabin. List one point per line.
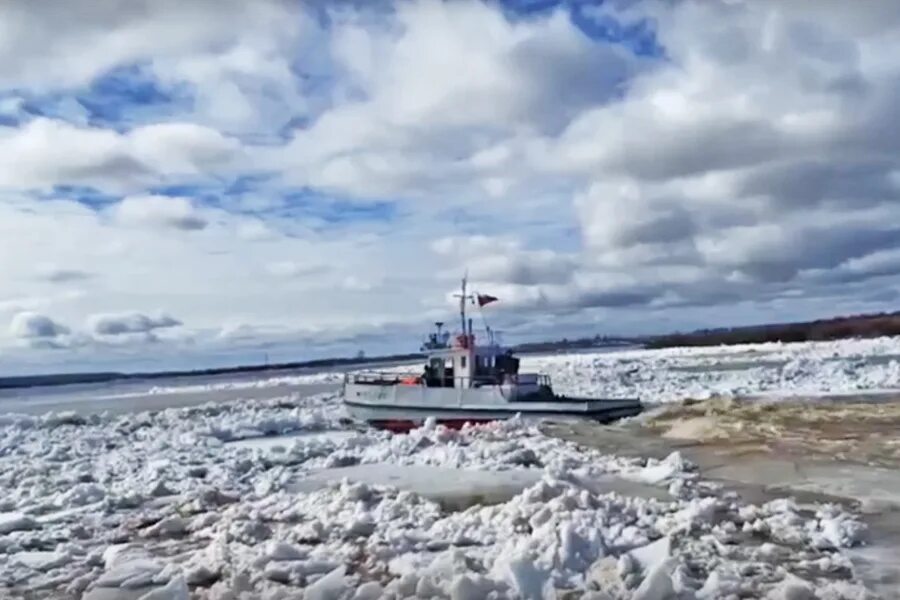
(462, 362)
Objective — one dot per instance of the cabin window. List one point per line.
(462, 362)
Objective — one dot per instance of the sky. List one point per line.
(218, 182)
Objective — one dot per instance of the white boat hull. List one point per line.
(397, 405)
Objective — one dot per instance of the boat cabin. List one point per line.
(463, 364)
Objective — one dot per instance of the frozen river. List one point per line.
(119, 397)
(279, 493)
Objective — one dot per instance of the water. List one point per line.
(142, 394)
(813, 453)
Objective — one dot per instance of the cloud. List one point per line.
(351, 283)
(55, 274)
(159, 211)
(416, 70)
(117, 324)
(503, 260)
(255, 231)
(741, 164)
(30, 326)
(48, 153)
(289, 269)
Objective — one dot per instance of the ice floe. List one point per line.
(773, 369)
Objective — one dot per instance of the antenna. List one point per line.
(462, 303)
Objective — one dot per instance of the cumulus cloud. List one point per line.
(417, 69)
(238, 57)
(116, 324)
(503, 260)
(40, 332)
(159, 211)
(761, 152)
(752, 159)
(30, 325)
(47, 152)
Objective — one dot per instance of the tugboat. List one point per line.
(464, 382)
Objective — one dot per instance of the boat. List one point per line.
(464, 381)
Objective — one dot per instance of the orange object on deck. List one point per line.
(410, 381)
(464, 341)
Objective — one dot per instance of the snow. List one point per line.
(280, 498)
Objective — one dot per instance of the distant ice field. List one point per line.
(774, 370)
(815, 369)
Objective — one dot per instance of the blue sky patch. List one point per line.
(307, 204)
(131, 95)
(639, 37)
(85, 195)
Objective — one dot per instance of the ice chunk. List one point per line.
(666, 469)
(792, 588)
(607, 574)
(465, 587)
(200, 574)
(719, 585)
(176, 589)
(81, 495)
(283, 551)
(14, 521)
(67, 417)
(41, 561)
(362, 526)
(132, 573)
(168, 527)
(531, 582)
(277, 571)
(657, 585)
(371, 590)
(649, 556)
(837, 529)
(331, 586)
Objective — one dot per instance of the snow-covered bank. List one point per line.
(775, 369)
(163, 504)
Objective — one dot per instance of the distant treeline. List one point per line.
(871, 325)
(597, 341)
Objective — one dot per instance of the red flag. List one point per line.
(485, 299)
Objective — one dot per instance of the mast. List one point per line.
(462, 306)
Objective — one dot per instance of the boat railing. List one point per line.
(380, 377)
(413, 378)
